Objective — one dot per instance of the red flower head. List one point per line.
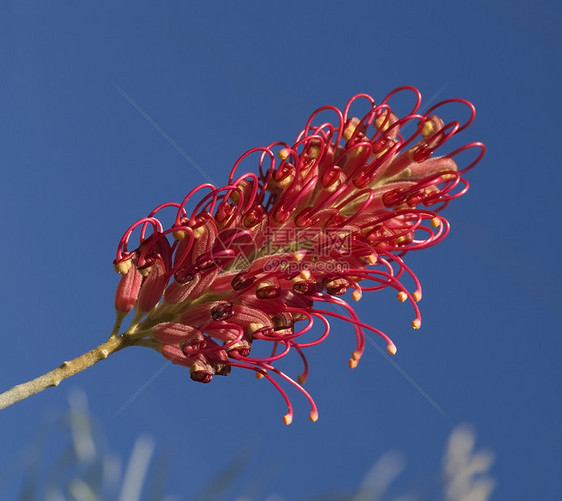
(257, 261)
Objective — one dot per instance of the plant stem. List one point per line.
(66, 369)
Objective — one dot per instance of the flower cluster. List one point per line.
(259, 260)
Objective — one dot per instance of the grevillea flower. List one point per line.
(257, 261)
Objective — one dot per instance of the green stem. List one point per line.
(66, 369)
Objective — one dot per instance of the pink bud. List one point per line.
(173, 333)
(128, 290)
(153, 286)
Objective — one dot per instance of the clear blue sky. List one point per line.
(78, 164)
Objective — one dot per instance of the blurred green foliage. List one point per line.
(71, 461)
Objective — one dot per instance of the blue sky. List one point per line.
(78, 164)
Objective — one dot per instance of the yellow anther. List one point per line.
(417, 296)
(305, 275)
(255, 327)
(314, 152)
(357, 294)
(371, 259)
(287, 419)
(350, 129)
(299, 255)
(356, 152)
(145, 271)
(197, 232)
(179, 234)
(353, 363)
(448, 176)
(402, 296)
(259, 375)
(123, 267)
(262, 285)
(428, 128)
(334, 186)
(391, 348)
(435, 222)
(283, 154)
(416, 324)
(380, 121)
(286, 181)
(401, 240)
(313, 416)
(304, 170)
(356, 355)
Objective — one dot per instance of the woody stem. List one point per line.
(66, 369)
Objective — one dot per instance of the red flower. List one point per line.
(254, 261)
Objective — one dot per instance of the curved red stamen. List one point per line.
(456, 100)
(314, 412)
(164, 206)
(372, 179)
(467, 147)
(181, 209)
(264, 151)
(410, 88)
(272, 358)
(303, 376)
(122, 247)
(355, 98)
(288, 418)
(322, 337)
(338, 128)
